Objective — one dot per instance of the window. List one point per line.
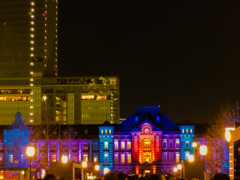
(110, 131)
(177, 143)
(164, 157)
(182, 130)
(106, 145)
(74, 158)
(190, 130)
(187, 144)
(85, 157)
(147, 145)
(171, 157)
(116, 158)
(122, 158)
(106, 157)
(64, 146)
(1, 158)
(147, 157)
(101, 131)
(186, 155)
(74, 146)
(171, 144)
(105, 131)
(95, 146)
(116, 144)
(10, 146)
(164, 144)
(95, 157)
(177, 158)
(86, 131)
(129, 145)
(122, 145)
(85, 146)
(10, 158)
(43, 147)
(1, 146)
(53, 146)
(129, 158)
(54, 158)
(186, 130)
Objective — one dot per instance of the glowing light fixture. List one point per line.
(44, 98)
(64, 159)
(194, 144)
(84, 164)
(106, 170)
(97, 167)
(203, 150)
(228, 133)
(190, 158)
(179, 166)
(30, 151)
(175, 169)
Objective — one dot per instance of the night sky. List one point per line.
(183, 54)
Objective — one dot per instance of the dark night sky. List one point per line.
(183, 54)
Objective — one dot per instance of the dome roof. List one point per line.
(106, 123)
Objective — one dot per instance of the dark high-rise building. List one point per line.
(28, 38)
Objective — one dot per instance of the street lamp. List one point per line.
(64, 161)
(179, 166)
(228, 133)
(96, 167)
(106, 170)
(190, 158)
(30, 154)
(203, 152)
(84, 165)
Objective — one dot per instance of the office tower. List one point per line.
(28, 38)
(64, 100)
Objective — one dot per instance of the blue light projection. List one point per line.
(106, 147)
(187, 138)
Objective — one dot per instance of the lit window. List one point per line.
(146, 145)
(54, 158)
(122, 145)
(186, 130)
(182, 130)
(10, 158)
(177, 143)
(95, 159)
(187, 144)
(122, 158)
(129, 145)
(105, 131)
(85, 146)
(110, 131)
(177, 158)
(129, 158)
(106, 157)
(116, 158)
(190, 130)
(85, 157)
(101, 131)
(106, 145)
(116, 144)
(186, 155)
(147, 157)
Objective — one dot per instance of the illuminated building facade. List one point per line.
(75, 100)
(145, 143)
(28, 38)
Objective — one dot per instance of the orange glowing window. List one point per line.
(106, 145)
(129, 158)
(54, 159)
(122, 145)
(177, 158)
(122, 158)
(129, 145)
(147, 145)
